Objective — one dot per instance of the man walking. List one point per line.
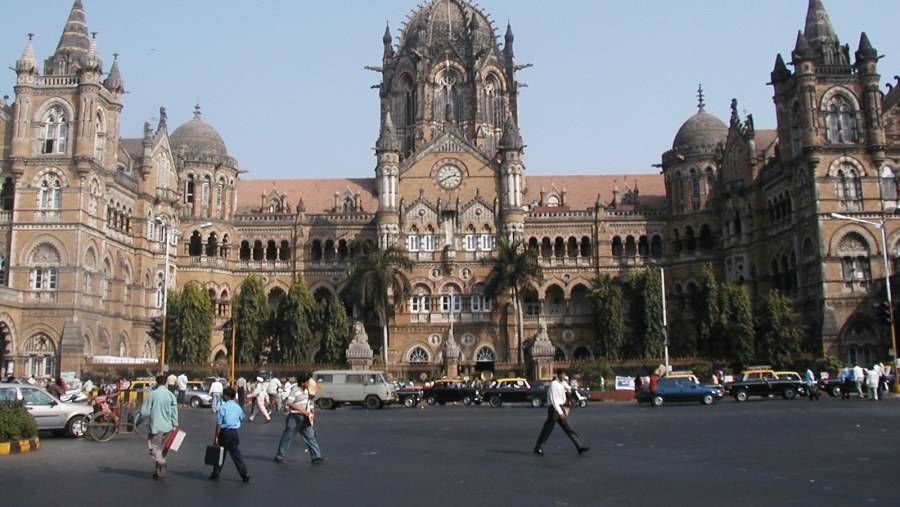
(181, 386)
(557, 413)
(812, 387)
(259, 399)
(228, 420)
(215, 392)
(299, 420)
(161, 408)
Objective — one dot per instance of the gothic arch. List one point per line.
(844, 161)
(851, 232)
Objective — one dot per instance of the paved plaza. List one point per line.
(762, 452)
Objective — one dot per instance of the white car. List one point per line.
(48, 411)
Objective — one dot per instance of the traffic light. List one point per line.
(885, 309)
(156, 331)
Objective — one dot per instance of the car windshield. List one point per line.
(36, 397)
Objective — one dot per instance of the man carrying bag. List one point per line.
(161, 408)
(228, 420)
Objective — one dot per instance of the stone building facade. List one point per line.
(92, 226)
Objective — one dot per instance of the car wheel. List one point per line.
(789, 393)
(76, 426)
(834, 391)
(657, 400)
(409, 402)
(467, 400)
(741, 395)
(496, 401)
(707, 399)
(326, 403)
(372, 403)
(536, 402)
(431, 400)
(195, 402)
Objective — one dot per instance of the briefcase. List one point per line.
(215, 455)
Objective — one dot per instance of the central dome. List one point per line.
(448, 22)
(197, 139)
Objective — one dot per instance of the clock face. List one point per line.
(449, 176)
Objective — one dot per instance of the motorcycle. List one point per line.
(75, 396)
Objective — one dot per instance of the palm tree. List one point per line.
(513, 270)
(373, 276)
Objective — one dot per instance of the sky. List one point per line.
(284, 83)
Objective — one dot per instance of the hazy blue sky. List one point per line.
(283, 81)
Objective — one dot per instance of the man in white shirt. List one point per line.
(181, 386)
(558, 413)
(273, 389)
(260, 398)
(215, 392)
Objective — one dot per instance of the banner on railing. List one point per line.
(624, 383)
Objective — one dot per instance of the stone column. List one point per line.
(359, 355)
(451, 357)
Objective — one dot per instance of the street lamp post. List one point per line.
(167, 237)
(665, 318)
(882, 226)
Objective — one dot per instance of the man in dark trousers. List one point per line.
(300, 420)
(558, 413)
(228, 420)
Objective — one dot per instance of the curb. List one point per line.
(20, 446)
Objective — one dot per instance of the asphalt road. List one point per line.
(762, 452)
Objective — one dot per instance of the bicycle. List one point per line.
(106, 421)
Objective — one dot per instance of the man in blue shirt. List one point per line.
(228, 420)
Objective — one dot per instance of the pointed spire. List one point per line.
(197, 111)
(508, 47)
(387, 39)
(511, 140)
(73, 46)
(780, 72)
(27, 63)
(866, 51)
(114, 81)
(820, 35)
(92, 60)
(801, 48)
(388, 140)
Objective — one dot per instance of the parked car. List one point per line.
(197, 394)
(355, 387)
(443, 391)
(515, 390)
(48, 411)
(409, 396)
(681, 389)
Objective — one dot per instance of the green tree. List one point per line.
(170, 329)
(335, 331)
(649, 321)
(779, 331)
(609, 320)
(737, 323)
(514, 270)
(376, 279)
(251, 313)
(294, 324)
(709, 318)
(194, 321)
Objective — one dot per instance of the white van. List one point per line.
(355, 387)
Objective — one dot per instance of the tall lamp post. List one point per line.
(665, 318)
(167, 237)
(887, 285)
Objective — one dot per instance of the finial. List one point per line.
(115, 56)
(93, 35)
(700, 103)
(197, 111)
(30, 35)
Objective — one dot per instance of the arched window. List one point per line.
(486, 239)
(854, 253)
(412, 239)
(888, 184)
(195, 246)
(284, 251)
(220, 197)
(448, 96)
(245, 250)
(485, 354)
(50, 197)
(451, 299)
(420, 300)
(796, 137)
(418, 355)
(41, 352)
(470, 241)
(840, 121)
(695, 190)
(99, 136)
(56, 131)
(189, 190)
(212, 244)
(849, 187)
(3, 268)
(45, 260)
(429, 239)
